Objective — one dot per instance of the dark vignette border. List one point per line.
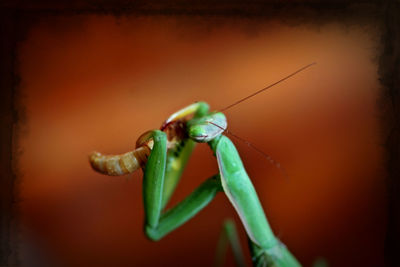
(17, 17)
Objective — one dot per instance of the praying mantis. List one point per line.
(163, 154)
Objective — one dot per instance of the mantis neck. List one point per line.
(213, 143)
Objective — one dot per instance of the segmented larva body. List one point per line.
(131, 161)
(120, 164)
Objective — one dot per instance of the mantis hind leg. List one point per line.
(228, 237)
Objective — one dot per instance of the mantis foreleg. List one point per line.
(158, 224)
(164, 154)
(186, 209)
(178, 156)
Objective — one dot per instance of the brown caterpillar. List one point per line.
(119, 164)
(129, 162)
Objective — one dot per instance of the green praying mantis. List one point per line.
(163, 154)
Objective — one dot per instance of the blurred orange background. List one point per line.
(97, 82)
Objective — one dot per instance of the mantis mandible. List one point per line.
(163, 154)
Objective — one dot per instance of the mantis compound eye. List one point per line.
(207, 128)
(199, 134)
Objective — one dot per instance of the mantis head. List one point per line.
(206, 128)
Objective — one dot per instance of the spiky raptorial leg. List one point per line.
(158, 224)
(179, 153)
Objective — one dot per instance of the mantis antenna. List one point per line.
(272, 161)
(268, 157)
(267, 87)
